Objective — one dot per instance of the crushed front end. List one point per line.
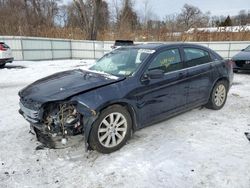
(56, 124)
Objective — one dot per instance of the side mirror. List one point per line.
(155, 74)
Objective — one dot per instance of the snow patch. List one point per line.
(200, 148)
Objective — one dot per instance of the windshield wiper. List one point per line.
(105, 74)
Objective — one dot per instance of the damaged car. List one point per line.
(126, 90)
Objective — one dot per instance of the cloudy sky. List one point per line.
(217, 7)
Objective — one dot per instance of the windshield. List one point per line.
(247, 48)
(121, 62)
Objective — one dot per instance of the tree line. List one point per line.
(118, 19)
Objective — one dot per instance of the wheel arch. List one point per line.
(128, 107)
(220, 79)
(217, 80)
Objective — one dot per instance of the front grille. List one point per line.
(242, 64)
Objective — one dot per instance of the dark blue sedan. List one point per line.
(242, 60)
(126, 90)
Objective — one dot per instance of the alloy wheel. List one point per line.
(220, 95)
(112, 130)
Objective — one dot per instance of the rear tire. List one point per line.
(235, 71)
(2, 65)
(218, 95)
(111, 130)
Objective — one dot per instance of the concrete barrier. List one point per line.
(36, 48)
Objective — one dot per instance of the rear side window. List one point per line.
(167, 61)
(195, 56)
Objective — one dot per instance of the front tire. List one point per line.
(218, 96)
(111, 130)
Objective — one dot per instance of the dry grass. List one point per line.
(141, 35)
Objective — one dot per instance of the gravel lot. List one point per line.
(200, 148)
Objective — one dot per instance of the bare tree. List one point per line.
(91, 19)
(128, 19)
(243, 18)
(192, 16)
(62, 16)
(171, 23)
(146, 11)
(116, 8)
(89, 16)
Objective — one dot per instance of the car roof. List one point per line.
(162, 46)
(158, 46)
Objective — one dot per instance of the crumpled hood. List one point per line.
(62, 85)
(243, 55)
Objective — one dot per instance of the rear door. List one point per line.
(198, 64)
(159, 97)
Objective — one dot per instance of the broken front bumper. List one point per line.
(47, 137)
(55, 141)
(33, 113)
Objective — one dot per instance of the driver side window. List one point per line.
(167, 61)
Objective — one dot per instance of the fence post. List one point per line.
(70, 48)
(103, 47)
(52, 51)
(229, 50)
(22, 50)
(94, 48)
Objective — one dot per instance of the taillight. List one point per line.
(230, 64)
(2, 48)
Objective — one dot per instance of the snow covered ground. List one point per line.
(200, 148)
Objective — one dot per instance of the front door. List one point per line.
(156, 98)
